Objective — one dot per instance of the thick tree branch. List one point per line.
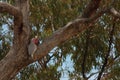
(24, 30)
(63, 34)
(7, 8)
(72, 28)
(23, 5)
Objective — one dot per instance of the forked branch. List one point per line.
(14, 11)
(7, 8)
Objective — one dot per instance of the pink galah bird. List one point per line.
(33, 46)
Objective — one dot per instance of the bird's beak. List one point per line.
(36, 36)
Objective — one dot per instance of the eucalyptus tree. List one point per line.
(87, 30)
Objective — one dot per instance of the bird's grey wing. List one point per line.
(31, 48)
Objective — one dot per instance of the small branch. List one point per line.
(85, 53)
(106, 76)
(43, 62)
(114, 13)
(92, 74)
(111, 63)
(109, 49)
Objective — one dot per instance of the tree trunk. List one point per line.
(17, 57)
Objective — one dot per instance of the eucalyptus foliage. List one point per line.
(87, 51)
